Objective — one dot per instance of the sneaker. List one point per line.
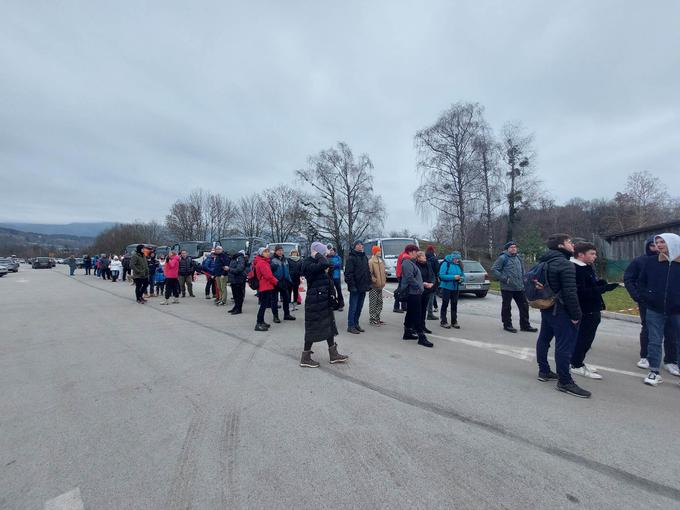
(510, 329)
(643, 363)
(573, 389)
(591, 368)
(425, 330)
(261, 327)
(175, 300)
(277, 320)
(653, 379)
(455, 325)
(445, 325)
(207, 297)
(166, 302)
(360, 329)
(432, 317)
(547, 376)
(584, 371)
(288, 318)
(353, 330)
(672, 368)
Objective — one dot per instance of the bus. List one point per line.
(250, 245)
(131, 248)
(391, 248)
(195, 249)
(288, 247)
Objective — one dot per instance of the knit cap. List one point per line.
(375, 249)
(319, 248)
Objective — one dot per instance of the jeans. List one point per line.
(432, 302)
(656, 325)
(338, 293)
(449, 296)
(72, 270)
(282, 290)
(670, 337)
(522, 304)
(356, 303)
(114, 275)
(556, 325)
(587, 329)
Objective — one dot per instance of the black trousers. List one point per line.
(295, 290)
(412, 320)
(171, 287)
(670, 350)
(210, 286)
(308, 344)
(449, 297)
(424, 301)
(267, 300)
(238, 291)
(284, 292)
(88, 270)
(338, 291)
(522, 304)
(106, 273)
(140, 283)
(400, 302)
(587, 329)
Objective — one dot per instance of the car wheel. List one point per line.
(481, 294)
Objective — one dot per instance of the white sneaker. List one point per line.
(591, 368)
(672, 368)
(653, 379)
(643, 363)
(175, 300)
(166, 302)
(584, 371)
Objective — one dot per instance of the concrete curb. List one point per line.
(605, 314)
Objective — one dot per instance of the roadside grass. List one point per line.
(617, 300)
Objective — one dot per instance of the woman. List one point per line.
(376, 265)
(267, 293)
(319, 319)
(450, 274)
(428, 277)
(294, 267)
(71, 262)
(140, 273)
(237, 279)
(116, 268)
(171, 272)
(411, 286)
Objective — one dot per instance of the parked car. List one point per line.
(42, 263)
(3, 270)
(476, 279)
(80, 263)
(11, 264)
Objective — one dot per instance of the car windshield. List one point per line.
(42, 259)
(234, 244)
(472, 266)
(391, 248)
(196, 250)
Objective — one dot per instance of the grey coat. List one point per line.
(411, 278)
(509, 271)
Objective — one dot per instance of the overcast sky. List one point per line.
(112, 110)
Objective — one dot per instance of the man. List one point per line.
(126, 265)
(186, 273)
(411, 288)
(509, 271)
(358, 279)
(153, 265)
(140, 272)
(560, 320)
(281, 272)
(71, 262)
(220, 270)
(237, 278)
(104, 263)
(659, 287)
(630, 280)
(379, 279)
(336, 265)
(589, 290)
(432, 261)
(87, 264)
(208, 267)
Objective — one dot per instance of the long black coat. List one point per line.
(357, 273)
(319, 318)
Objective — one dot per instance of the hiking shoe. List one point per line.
(409, 335)
(653, 379)
(307, 361)
(360, 329)
(398, 310)
(547, 376)
(573, 389)
(510, 329)
(261, 327)
(277, 320)
(353, 330)
(643, 363)
(584, 371)
(432, 317)
(267, 325)
(422, 340)
(445, 325)
(336, 357)
(530, 329)
(425, 330)
(192, 295)
(672, 368)
(175, 300)
(288, 318)
(455, 325)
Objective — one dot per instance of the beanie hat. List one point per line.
(262, 250)
(319, 247)
(358, 241)
(456, 255)
(509, 244)
(410, 247)
(375, 249)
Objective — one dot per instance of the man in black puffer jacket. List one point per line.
(359, 281)
(186, 273)
(561, 320)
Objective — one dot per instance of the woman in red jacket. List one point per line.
(171, 272)
(266, 289)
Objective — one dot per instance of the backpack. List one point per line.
(253, 281)
(536, 287)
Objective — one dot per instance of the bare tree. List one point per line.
(220, 214)
(448, 161)
(343, 206)
(248, 217)
(283, 211)
(488, 153)
(517, 154)
(187, 220)
(647, 197)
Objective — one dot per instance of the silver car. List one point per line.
(11, 264)
(3, 270)
(476, 279)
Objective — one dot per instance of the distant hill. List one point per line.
(22, 243)
(72, 229)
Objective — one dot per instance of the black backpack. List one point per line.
(536, 287)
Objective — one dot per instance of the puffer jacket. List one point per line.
(378, 275)
(509, 271)
(186, 266)
(357, 274)
(139, 266)
(632, 273)
(221, 261)
(448, 270)
(411, 279)
(237, 269)
(336, 263)
(281, 270)
(562, 281)
(208, 265)
(319, 318)
(659, 282)
(263, 271)
(171, 267)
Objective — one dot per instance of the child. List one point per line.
(160, 279)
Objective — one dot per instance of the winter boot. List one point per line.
(334, 355)
(422, 340)
(261, 327)
(307, 361)
(409, 334)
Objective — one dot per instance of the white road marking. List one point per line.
(68, 501)
(523, 353)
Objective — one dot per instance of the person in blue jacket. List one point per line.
(336, 263)
(208, 267)
(159, 279)
(450, 274)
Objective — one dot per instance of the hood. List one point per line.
(554, 254)
(648, 243)
(430, 255)
(506, 252)
(357, 253)
(451, 256)
(673, 243)
(578, 262)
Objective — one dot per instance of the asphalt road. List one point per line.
(106, 404)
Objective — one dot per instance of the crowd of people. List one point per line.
(565, 274)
